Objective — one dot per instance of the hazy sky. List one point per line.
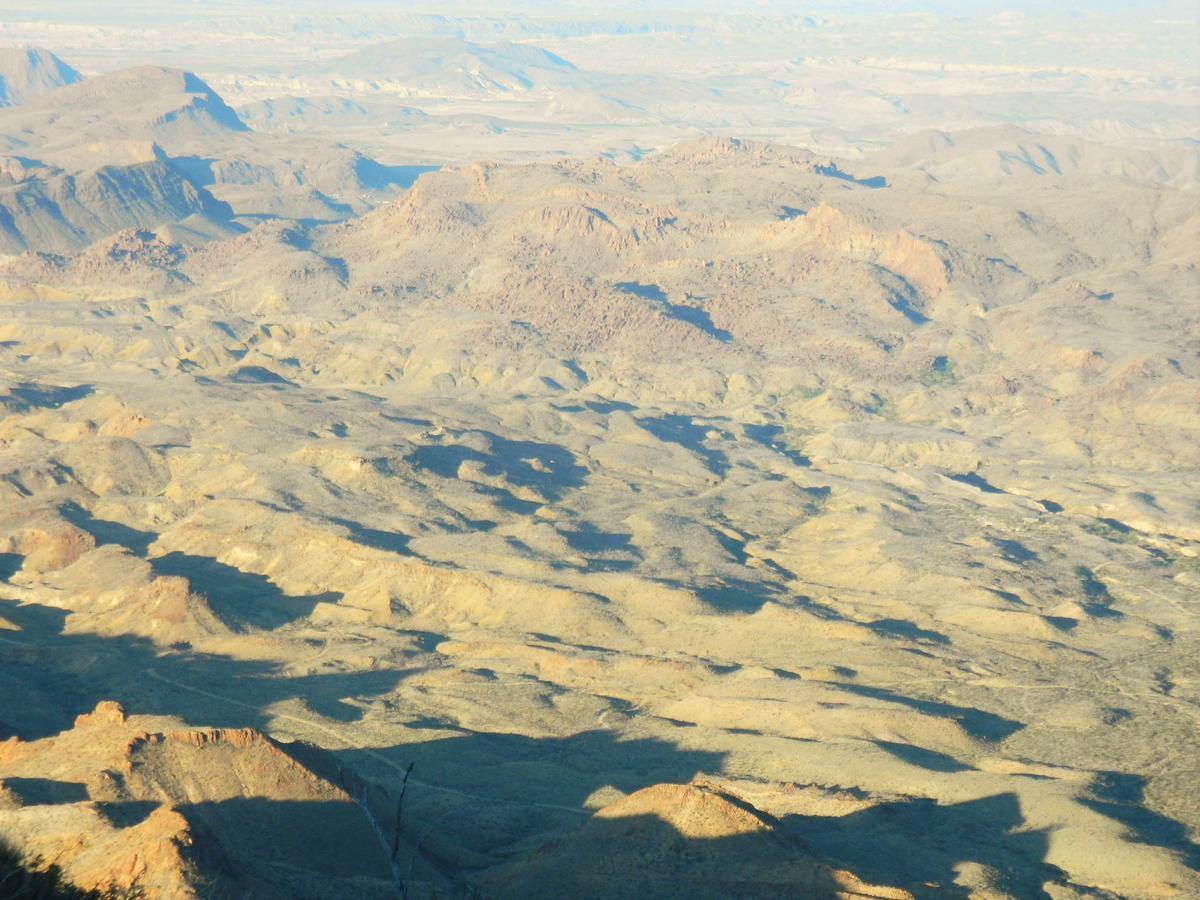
(156, 9)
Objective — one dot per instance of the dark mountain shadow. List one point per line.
(1014, 551)
(479, 799)
(734, 547)
(375, 176)
(588, 539)
(1120, 796)
(391, 541)
(30, 879)
(476, 799)
(604, 407)
(690, 315)
(46, 791)
(684, 431)
(1099, 600)
(10, 565)
(901, 295)
(260, 847)
(605, 551)
(402, 420)
(107, 532)
(551, 772)
(975, 480)
(241, 600)
(923, 758)
(1116, 525)
(298, 239)
(735, 595)
(198, 169)
(259, 375)
(27, 395)
(548, 469)
(918, 844)
(342, 210)
(327, 694)
(47, 678)
(832, 171)
(769, 436)
(1007, 596)
(978, 723)
(740, 595)
(909, 631)
(284, 834)
(126, 813)
(643, 856)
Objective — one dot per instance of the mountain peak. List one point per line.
(143, 103)
(159, 88)
(27, 72)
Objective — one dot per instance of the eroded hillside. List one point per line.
(867, 494)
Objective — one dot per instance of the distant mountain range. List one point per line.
(452, 66)
(50, 208)
(1002, 150)
(151, 146)
(28, 72)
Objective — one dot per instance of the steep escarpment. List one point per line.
(136, 802)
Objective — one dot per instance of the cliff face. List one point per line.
(66, 211)
(139, 801)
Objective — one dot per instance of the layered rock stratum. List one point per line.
(141, 803)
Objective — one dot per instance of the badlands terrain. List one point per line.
(424, 474)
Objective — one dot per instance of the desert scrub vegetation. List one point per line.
(940, 372)
(31, 878)
(1111, 530)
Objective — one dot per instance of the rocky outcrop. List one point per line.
(124, 801)
(679, 840)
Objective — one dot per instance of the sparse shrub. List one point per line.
(1102, 529)
(25, 878)
(940, 372)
